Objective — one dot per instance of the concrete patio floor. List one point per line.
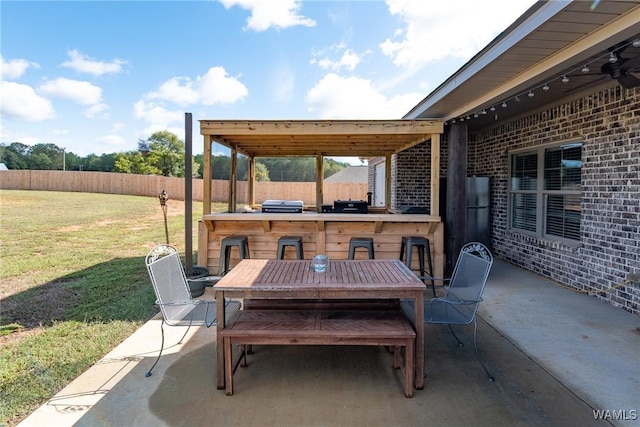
(557, 356)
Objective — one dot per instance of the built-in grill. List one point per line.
(350, 206)
(282, 206)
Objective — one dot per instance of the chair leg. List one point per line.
(475, 343)
(460, 344)
(475, 346)
(148, 374)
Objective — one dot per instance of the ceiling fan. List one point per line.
(622, 69)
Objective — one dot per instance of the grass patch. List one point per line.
(73, 284)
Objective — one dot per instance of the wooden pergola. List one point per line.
(319, 138)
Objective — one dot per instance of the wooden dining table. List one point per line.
(344, 280)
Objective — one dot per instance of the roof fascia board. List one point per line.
(591, 44)
(502, 44)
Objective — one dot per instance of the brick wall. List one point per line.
(608, 124)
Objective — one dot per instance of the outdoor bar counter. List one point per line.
(322, 233)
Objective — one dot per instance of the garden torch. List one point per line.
(163, 197)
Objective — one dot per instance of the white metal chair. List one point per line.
(174, 296)
(464, 294)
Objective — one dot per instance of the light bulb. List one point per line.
(530, 94)
(565, 79)
(612, 58)
(585, 69)
(493, 108)
(545, 87)
(636, 43)
(504, 104)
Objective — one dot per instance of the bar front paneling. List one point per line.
(321, 233)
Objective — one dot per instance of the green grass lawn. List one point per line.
(73, 284)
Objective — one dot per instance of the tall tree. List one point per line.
(166, 152)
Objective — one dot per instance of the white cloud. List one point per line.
(336, 97)
(15, 68)
(113, 140)
(85, 64)
(271, 13)
(349, 60)
(455, 28)
(157, 116)
(81, 92)
(22, 102)
(215, 87)
(95, 110)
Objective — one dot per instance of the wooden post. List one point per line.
(206, 175)
(387, 181)
(435, 175)
(233, 175)
(251, 180)
(188, 177)
(319, 182)
(456, 218)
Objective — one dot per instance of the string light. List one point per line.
(564, 78)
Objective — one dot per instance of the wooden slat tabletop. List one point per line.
(265, 275)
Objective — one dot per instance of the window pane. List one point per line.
(524, 172)
(563, 216)
(523, 212)
(562, 168)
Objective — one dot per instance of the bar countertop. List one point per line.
(314, 216)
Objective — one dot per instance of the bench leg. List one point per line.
(228, 366)
(409, 354)
(397, 357)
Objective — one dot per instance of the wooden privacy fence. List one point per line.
(152, 185)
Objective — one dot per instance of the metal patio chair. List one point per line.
(174, 296)
(464, 294)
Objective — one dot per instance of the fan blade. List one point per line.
(631, 64)
(628, 81)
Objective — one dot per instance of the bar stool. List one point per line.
(360, 242)
(295, 241)
(241, 242)
(421, 244)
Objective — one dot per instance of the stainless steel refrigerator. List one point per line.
(478, 211)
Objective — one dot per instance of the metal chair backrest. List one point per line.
(169, 283)
(469, 278)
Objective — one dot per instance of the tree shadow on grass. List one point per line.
(118, 289)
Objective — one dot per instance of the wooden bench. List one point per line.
(320, 327)
(319, 304)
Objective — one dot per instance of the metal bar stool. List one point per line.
(295, 241)
(421, 244)
(360, 242)
(241, 242)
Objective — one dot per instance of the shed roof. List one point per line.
(360, 138)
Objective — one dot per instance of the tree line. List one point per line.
(163, 153)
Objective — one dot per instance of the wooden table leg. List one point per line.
(220, 318)
(419, 360)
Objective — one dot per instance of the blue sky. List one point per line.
(97, 76)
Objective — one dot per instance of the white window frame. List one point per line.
(541, 195)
